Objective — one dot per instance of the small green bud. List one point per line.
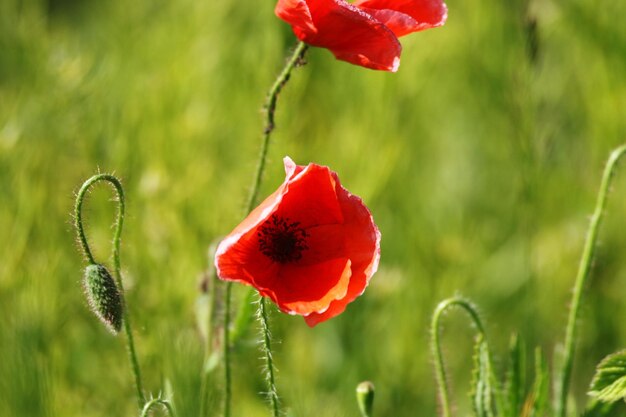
(365, 398)
(104, 297)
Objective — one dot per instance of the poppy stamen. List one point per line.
(281, 240)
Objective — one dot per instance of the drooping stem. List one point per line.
(584, 270)
(119, 222)
(296, 59)
(436, 352)
(272, 393)
(78, 219)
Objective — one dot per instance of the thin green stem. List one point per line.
(153, 403)
(435, 345)
(210, 295)
(78, 219)
(584, 270)
(296, 59)
(272, 393)
(119, 222)
(227, 373)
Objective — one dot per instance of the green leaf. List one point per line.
(609, 382)
(596, 408)
(202, 311)
(541, 386)
(515, 376)
(245, 316)
(481, 393)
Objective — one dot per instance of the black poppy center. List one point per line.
(281, 240)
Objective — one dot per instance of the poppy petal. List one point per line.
(334, 309)
(260, 213)
(363, 244)
(297, 14)
(406, 16)
(241, 261)
(399, 23)
(310, 198)
(236, 249)
(350, 34)
(324, 243)
(306, 289)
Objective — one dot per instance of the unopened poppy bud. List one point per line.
(365, 398)
(104, 297)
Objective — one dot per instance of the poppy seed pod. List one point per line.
(105, 299)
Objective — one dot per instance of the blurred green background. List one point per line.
(480, 160)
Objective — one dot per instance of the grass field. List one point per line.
(480, 160)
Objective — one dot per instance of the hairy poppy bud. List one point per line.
(104, 297)
(365, 397)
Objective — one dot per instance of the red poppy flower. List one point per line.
(364, 32)
(311, 246)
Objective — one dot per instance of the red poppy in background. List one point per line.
(364, 32)
(311, 246)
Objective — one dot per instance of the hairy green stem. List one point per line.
(272, 393)
(584, 270)
(119, 222)
(296, 59)
(435, 345)
(78, 219)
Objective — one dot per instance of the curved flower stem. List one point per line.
(119, 222)
(272, 393)
(584, 270)
(78, 219)
(435, 344)
(296, 59)
(153, 403)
